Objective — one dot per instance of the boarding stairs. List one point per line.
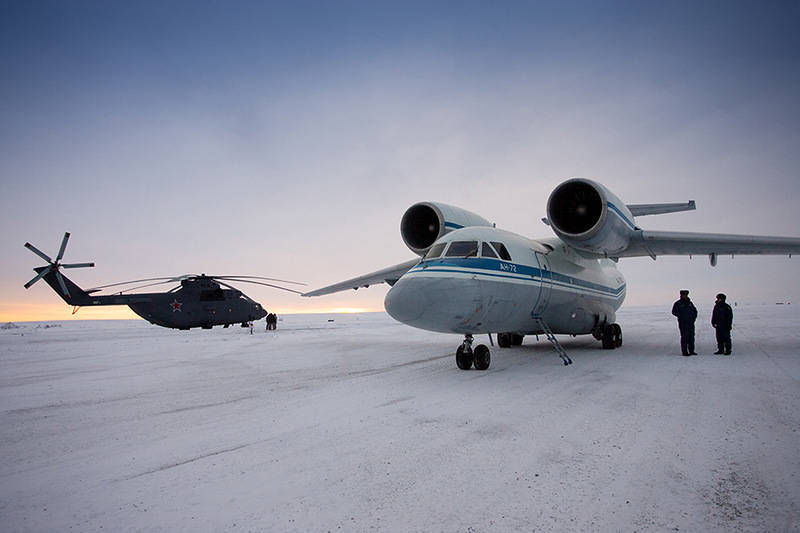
(552, 338)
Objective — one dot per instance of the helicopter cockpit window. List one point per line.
(213, 295)
(435, 251)
(486, 251)
(502, 251)
(462, 249)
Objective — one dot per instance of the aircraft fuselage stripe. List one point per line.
(513, 271)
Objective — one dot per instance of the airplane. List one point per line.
(198, 302)
(472, 278)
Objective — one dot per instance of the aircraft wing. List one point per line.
(655, 243)
(386, 275)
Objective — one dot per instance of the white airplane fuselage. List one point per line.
(544, 280)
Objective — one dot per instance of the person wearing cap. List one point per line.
(686, 312)
(722, 320)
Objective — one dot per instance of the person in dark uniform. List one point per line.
(686, 312)
(722, 320)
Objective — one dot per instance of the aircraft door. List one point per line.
(546, 285)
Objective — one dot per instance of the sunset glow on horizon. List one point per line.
(31, 312)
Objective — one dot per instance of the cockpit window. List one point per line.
(502, 251)
(435, 251)
(486, 251)
(462, 249)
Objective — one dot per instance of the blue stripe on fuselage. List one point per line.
(511, 271)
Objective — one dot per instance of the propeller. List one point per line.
(54, 266)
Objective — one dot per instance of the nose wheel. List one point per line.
(467, 357)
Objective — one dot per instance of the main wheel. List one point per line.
(504, 340)
(516, 340)
(617, 335)
(482, 357)
(608, 337)
(463, 359)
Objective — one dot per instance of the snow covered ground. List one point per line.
(363, 424)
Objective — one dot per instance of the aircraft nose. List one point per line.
(406, 301)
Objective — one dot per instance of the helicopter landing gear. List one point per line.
(466, 357)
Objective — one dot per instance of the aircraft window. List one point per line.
(487, 251)
(435, 251)
(502, 250)
(462, 249)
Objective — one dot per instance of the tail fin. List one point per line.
(74, 295)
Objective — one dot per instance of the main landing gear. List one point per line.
(610, 335)
(466, 356)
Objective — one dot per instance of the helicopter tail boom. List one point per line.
(74, 295)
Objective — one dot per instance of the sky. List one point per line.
(287, 139)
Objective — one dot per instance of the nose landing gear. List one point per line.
(466, 357)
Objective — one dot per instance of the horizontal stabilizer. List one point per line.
(638, 210)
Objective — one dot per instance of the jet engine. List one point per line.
(423, 223)
(588, 217)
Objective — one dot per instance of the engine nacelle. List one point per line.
(587, 216)
(423, 223)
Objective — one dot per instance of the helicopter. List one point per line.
(198, 301)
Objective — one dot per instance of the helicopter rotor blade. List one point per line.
(63, 285)
(168, 279)
(63, 247)
(38, 252)
(78, 265)
(259, 283)
(39, 276)
(147, 285)
(258, 277)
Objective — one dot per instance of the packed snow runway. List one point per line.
(363, 424)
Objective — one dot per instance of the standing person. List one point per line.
(722, 320)
(686, 312)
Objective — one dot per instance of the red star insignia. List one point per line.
(176, 305)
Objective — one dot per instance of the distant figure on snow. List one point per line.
(686, 312)
(250, 323)
(722, 320)
(272, 321)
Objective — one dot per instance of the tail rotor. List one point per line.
(54, 265)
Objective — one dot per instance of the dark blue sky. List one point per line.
(261, 137)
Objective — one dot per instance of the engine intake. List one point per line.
(587, 216)
(423, 223)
